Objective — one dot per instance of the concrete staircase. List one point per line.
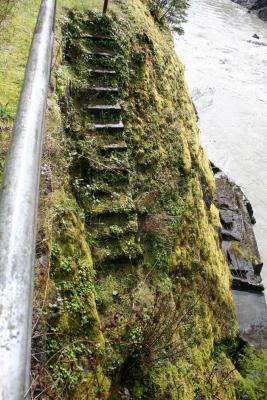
(111, 214)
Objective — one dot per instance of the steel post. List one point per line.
(105, 6)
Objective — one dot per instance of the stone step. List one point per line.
(110, 125)
(102, 71)
(103, 89)
(104, 107)
(114, 146)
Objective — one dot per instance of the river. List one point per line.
(226, 69)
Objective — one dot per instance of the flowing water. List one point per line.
(226, 69)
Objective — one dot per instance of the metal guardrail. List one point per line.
(18, 213)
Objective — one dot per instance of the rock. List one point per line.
(227, 218)
(258, 268)
(239, 245)
(237, 237)
(258, 7)
(250, 211)
(257, 43)
(255, 36)
(115, 293)
(228, 236)
(244, 285)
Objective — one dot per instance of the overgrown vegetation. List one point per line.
(132, 295)
(151, 260)
(252, 366)
(172, 11)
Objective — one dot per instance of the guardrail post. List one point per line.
(18, 213)
(105, 6)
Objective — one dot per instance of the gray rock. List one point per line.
(258, 7)
(239, 245)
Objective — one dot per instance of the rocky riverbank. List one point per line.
(258, 7)
(241, 251)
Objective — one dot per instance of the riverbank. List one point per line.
(258, 7)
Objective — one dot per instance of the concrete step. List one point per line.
(110, 125)
(111, 205)
(102, 71)
(115, 230)
(100, 188)
(103, 89)
(113, 167)
(114, 146)
(102, 53)
(117, 250)
(95, 37)
(104, 107)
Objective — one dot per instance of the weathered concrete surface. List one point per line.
(258, 7)
(239, 245)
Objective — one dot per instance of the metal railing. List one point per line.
(18, 213)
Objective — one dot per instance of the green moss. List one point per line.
(235, 247)
(73, 320)
(174, 244)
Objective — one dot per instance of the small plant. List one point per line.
(172, 11)
(4, 113)
(219, 379)
(153, 336)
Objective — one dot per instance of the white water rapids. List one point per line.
(226, 69)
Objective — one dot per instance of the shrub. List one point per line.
(153, 335)
(172, 11)
(253, 369)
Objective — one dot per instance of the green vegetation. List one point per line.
(253, 368)
(172, 11)
(157, 277)
(19, 19)
(132, 294)
(5, 9)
